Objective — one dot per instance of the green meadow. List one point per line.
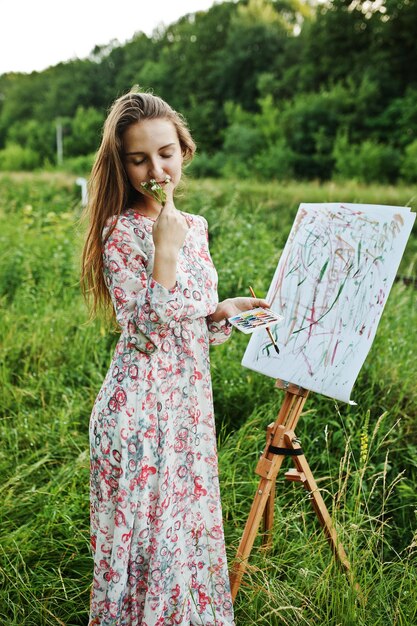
(52, 364)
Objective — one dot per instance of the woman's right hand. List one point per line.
(170, 228)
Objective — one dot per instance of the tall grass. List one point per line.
(52, 363)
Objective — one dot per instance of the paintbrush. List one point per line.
(267, 329)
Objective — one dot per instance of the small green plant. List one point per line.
(156, 190)
(368, 162)
(409, 163)
(14, 158)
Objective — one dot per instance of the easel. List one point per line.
(282, 442)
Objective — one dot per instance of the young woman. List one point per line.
(156, 520)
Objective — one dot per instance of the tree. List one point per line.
(255, 39)
(191, 59)
(335, 45)
(129, 62)
(395, 46)
(298, 77)
(84, 132)
(39, 137)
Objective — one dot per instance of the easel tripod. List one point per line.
(282, 442)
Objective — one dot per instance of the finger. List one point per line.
(262, 303)
(167, 208)
(169, 204)
(170, 213)
(169, 190)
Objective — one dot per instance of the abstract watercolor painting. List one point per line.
(331, 285)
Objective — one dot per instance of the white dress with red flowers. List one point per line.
(156, 519)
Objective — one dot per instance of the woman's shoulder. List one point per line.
(127, 223)
(197, 220)
(126, 237)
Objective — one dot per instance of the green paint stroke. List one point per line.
(328, 310)
(323, 269)
(292, 270)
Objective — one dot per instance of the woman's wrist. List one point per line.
(219, 314)
(166, 254)
(165, 268)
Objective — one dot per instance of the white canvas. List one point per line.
(331, 285)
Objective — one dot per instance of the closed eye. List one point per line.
(140, 161)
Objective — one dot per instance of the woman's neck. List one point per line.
(147, 207)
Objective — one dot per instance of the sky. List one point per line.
(35, 34)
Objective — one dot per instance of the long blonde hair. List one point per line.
(110, 191)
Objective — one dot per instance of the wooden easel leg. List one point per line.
(282, 442)
(268, 467)
(268, 516)
(257, 510)
(303, 474)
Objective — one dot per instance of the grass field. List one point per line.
(52, 363)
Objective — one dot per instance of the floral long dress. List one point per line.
(156, 519)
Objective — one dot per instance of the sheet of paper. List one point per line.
(331, 285)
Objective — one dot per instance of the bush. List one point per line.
(368, 162)
(241, 144)
(378, 162)
(254, 145)
(309, 125)
(346, 157)
(40, 137)
(206, 165)
(14, 158)
(408, 169)
(275, 162)
(79, 165)
(85, 131)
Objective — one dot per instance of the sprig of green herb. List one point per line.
(156, 190)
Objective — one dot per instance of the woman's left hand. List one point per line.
(234, 306)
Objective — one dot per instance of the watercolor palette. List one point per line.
(255, 319)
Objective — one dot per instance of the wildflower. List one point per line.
(156, 190)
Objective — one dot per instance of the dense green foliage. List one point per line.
(53, 363)
(270, 88)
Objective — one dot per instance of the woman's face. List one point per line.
(152, 151)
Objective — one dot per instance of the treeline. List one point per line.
(270, 88)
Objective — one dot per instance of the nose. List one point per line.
(155, 169)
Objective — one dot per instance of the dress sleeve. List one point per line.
(219, 332)
(141, 304)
